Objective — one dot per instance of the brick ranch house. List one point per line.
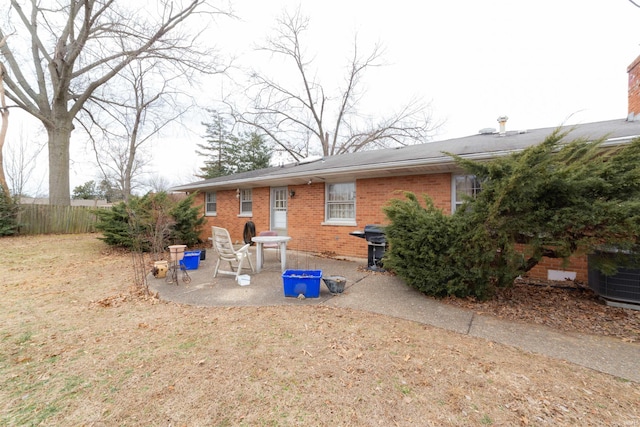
(318, 202)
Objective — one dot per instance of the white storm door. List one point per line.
(279, 209)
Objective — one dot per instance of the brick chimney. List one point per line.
(634, 89)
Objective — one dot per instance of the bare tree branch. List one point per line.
(77, 49)
(143, 113)
(289, 112)
(21, 164)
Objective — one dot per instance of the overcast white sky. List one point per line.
(541, 62)
(538, 62)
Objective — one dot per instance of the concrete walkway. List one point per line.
(388, 295)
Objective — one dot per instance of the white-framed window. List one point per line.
(246, 204)
(341, 202)
(463, 186)
(211, 206)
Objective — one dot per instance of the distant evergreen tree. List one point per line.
(106, 190)
(86, 191)
(219, 149)
(253, 153)
(226, 153)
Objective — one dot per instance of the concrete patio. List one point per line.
(388, 295)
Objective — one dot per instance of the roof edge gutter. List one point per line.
(444, 160)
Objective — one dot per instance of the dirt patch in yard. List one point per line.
(77, 347)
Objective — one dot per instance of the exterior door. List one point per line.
(279, 210)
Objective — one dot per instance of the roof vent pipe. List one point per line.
(503, 124)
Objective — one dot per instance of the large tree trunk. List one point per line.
(3, 134)
(59, 139)
(4, 112)
(129, 165)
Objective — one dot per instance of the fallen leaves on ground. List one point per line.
(566, 306)
(79, 346)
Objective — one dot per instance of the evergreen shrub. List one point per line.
(426, 249)
(151, 222)
(8, 215)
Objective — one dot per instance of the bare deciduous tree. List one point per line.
(158, 183)
(298, 115)
(4, 113)
(76, 48)
(149, 103)
(20, 161)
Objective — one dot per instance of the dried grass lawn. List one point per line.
(78, 348)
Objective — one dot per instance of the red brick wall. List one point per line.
(306, 211)
(228, 213)
(577, 264)
(305, 216)
(634, 86)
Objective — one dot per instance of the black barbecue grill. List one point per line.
(377, 245)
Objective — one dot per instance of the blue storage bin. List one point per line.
(191, 260)
(305, 282)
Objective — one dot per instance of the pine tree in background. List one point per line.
(107, 190)
(219, 149)
(253, 153)
(86, 191)
(226, 153)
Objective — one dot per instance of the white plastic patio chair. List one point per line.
(224, 247)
